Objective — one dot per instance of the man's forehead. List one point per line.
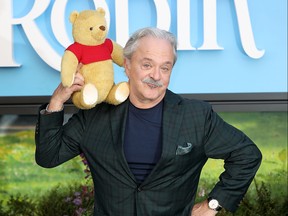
(154, 60)
(151, 50)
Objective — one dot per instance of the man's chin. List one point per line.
(153, 96)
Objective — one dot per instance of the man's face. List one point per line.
(149, 71)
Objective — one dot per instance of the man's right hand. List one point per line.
(62, 94)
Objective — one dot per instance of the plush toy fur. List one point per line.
(97, 54)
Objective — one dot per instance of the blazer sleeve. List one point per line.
(241, 158)
(56, 143)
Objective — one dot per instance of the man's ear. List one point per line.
(127, 66)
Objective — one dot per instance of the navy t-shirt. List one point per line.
(143, 139)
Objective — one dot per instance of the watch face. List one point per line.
(213, 204)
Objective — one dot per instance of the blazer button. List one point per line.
(139, 189)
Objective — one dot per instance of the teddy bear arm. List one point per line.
(117, 54)
(68, 68)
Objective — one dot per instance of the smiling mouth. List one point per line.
(152, 86)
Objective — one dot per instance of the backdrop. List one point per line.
(224, 46)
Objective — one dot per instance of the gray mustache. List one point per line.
(152, 82)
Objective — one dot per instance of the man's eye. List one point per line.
(165, 69)
(146, 66)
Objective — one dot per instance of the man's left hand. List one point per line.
(202, 209)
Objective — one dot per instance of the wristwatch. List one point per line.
(214, 204)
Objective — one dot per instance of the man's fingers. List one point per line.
(76, 87)
(79, 76)
(79, 66)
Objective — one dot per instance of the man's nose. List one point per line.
(156, 74)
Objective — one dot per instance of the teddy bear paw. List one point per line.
(90, 94)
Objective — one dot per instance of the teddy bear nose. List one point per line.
(102, 28)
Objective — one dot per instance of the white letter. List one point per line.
(245, 29)
(6, 35)
(163, 14)
(35, 37)
(210, 26)
(58, 23)
(122, 20)
(183, 25)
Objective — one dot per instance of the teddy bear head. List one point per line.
(89, 26)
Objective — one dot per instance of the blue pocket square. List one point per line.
(182, 150)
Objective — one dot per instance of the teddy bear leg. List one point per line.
(76, 99)
(89, 96)
(118, 94)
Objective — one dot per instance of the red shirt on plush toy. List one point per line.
(89, 54)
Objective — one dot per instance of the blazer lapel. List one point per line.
(172, 118)
(118, 121)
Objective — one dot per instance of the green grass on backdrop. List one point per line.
(20, 174)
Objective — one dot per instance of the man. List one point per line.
(146, 154)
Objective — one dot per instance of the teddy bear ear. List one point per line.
(73, 16)
(101, 11)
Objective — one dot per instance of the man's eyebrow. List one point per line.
(149, 59)
(168, 62)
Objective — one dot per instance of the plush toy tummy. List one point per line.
(97, 54)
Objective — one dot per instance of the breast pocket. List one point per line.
(185, 149)
(183, 157)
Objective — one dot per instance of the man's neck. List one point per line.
(147, 104)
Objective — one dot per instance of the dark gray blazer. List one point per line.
(192, 133)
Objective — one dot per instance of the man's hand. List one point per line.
(62, 94)
(202, 209)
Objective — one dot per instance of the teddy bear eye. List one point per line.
(91, 28)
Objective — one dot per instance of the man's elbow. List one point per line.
(40, 161)
(258, 155)
(255, 157)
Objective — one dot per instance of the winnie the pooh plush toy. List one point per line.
(96, 53)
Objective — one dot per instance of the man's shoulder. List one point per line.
(184, 100)
(106, 108)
